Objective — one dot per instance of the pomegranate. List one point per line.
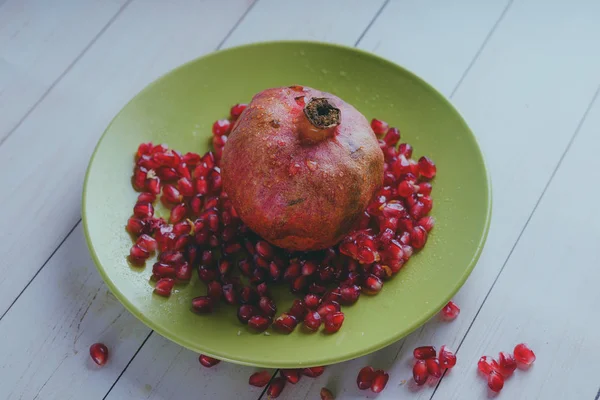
(300, 167)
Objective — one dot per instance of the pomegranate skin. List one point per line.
(299, 181)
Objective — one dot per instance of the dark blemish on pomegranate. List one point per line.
(275, 123)
(294, 202)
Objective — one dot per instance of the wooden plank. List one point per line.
(48, 153)
(38, 45)
(165, 370)
(47, 334)
(510, 106)
(337, 21)
(548, 292)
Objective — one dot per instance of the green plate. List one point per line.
(179, 109)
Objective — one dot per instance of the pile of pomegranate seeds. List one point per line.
(427, 364)
(205, 234)
(450, 311)
(368, 378)
(497, 371)
(99, 353)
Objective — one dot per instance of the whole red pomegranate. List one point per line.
(300, 167)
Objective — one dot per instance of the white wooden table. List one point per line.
(524, 73)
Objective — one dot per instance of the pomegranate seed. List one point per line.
(379, 126)
(450, 311)
(162, 270)
(144, 148)
(259, 379)
(146, 197)
(433, 367)
(380, 379)
(372, 285)
(312, 321)
(276, 387)
(259, 323)
(392, 137)
(420, 372)
(164, 286)
(427, 222)
(143, 210)
(523, 354)
(171, 194)
(291, 375)
(447, 358)
(221, 127)
(168, 158)
(171, 257)
(317, 288)
(427, 167)
(229, 294)
(313, 372)
(214, 290)
(365, 377)
(328, 308)
(333, 295)
(248, 295)
(326, 394)
(334, 321)
(298, 310)
(245, 312)
(274, 271)
(178, 213)
(495, 381)
(285, 323)
(183, 272)
(135, 226)
(167, 174)
(418, 237)
(299, 284)
(425, 188)
(99, 353)
(138, 255)
(264, 249)
(349, 294)
(202, 305)
(185, 186)
(424, 352)
(147, 243)
(208, 361)
(487, 364)
(312, 301)
(191, 159)
(237, 110)
(309, 268)
(405, 149)
(267, 306)
(159, 148)
(139, 178)
(262, 290)
(407, 188)
(507, 363)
